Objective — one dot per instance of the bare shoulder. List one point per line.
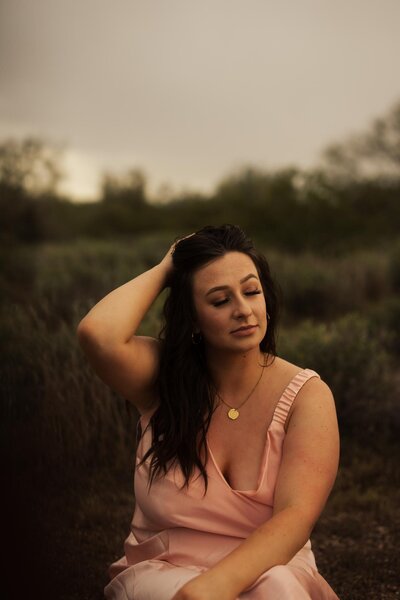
(285, 371)
(313, 393)
(286, 366)
(314, 403)
(311, 452)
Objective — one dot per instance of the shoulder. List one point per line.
(314, 404)
(311, 451)
(282, 373)
(285, 369)
(314, 389)
(313, 393)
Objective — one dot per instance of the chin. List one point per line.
(247, 345)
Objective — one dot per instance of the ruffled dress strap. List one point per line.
(286, 400)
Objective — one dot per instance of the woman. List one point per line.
(237, 448)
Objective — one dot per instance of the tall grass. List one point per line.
(57, 415)
(356, 366)
(325, 288)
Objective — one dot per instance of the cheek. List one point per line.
(210, 320)
(262, 306)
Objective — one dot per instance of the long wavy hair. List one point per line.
(184, 384)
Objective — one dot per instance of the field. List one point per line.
(68, 441)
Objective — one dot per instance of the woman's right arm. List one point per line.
(127, 363)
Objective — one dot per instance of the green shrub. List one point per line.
(355, 366)
(56, 413)
(394, 267)
(18, 272)
(324, 288)
(384, 322)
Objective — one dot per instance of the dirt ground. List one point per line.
(61, 539)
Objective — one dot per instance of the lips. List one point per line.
(244, 328)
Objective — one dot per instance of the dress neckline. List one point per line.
(261, 473)
(266, 447)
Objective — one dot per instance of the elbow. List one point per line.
(85, 332)
(307, 521)
(81, 329)
(88, 339)
(92, 339)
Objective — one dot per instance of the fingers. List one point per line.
(182, 238)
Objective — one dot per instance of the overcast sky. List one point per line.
(190, 89)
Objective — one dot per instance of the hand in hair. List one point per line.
(166, 262)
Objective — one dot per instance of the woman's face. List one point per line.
(228, 294)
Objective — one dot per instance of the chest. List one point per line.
(238, 447)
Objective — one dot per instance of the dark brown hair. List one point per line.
(185, 389)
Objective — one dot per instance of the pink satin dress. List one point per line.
(178, 534)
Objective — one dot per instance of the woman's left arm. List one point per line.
(306, 476)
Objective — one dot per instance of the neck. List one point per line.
(234, 374)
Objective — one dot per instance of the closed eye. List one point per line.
(226, 299)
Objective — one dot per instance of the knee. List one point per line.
(281, 581)
(278, 573)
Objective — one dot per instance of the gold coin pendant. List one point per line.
(233, 414)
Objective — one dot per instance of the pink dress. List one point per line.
(178, 534)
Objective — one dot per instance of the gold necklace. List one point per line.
(233, 413)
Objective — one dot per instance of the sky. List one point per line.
(190, 90)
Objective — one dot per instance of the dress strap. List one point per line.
(290, 393)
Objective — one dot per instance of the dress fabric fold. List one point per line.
(176, 534)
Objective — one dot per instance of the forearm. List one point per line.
(273, 543)
(117, 316)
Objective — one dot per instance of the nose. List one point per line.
(242, 308)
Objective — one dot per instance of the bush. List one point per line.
(394, 267)
(18, 272)
(324, 288)
(355, 366)
(57, 415)
(385, 323)
(55, 410)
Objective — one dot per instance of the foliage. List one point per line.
(394, 267)
(31, 165)
(56, 411)
(375, 153)
(385, 317)
(357, 368)
(350, 200)
(325, 287)
(129, 188)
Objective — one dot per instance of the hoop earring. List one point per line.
(196, 340)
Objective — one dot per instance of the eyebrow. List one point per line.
(224, 287)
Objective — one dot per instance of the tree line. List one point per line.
(350, 199)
